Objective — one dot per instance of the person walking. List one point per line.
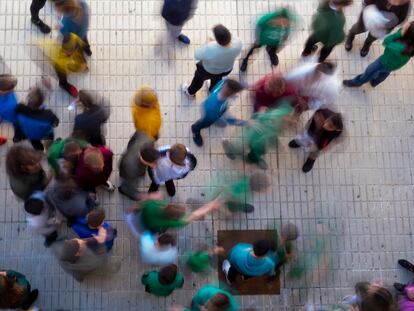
(8, 101)
(162, 283)
(35, 8)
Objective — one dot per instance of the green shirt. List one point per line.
(154, 219)
(208, 291)
(198, 261)
(55, 151)
(268, 34)
(153, 286)
(392, 58)
(328, 26)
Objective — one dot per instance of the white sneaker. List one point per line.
(109, 186)
(226, 267)
(184, 88)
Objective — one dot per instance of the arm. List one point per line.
(200, 52)
(204, 210)
(389, 39)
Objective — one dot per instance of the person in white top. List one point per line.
(316, 82)
(216, 60)
(158, 250)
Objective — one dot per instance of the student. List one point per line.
(399, 48)
(370, 297)
(215, 106)
(8, 101)
(158, 249)
(15, 290)
(175, 162)
(92, 224)
(25, 172)
(34, 122)
(89, 123)
(94, 168)
(199, 261)
(216, 60)
(394, 11)
(249, 260)
(164, 282)
(35, 8)
(272, 31)
(176, 13)
(41, 217)
(136, 159)
(324, 127)
(327, 27)
(210, 297)
(146, 112)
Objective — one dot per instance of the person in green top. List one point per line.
(327, 27)
(164, 282)
(399, 48)
(210, 297)
(272, 31)
(15, 291)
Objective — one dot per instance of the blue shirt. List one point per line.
(213, 107)
(8, 104)
(79, 28)
(80, 226)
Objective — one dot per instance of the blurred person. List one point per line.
(90, 225)
(399, 48)
(34, 121)
(15, 291)
(146, 112)
(159, 249)
(316, 83)
(211, 297)
(215, 107)
(175, 162)
(402, 287)
(216, 60)
(176, 13)
(8, 101)
(199, 261)
(272, 31)
(370, 297)
(284, 244)
(94, 168)
(327, 27)
(393, 13)
(89, 123)
(324, 127)
(406, 300)
(25, 172)
(35, 8)
(139, 155)
(162, 283)
(41, 217)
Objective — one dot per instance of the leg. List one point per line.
(367, 44)
(37, 144)
(325, 51)
(382, 75)
(214, 79)
(310, 43)
(370, 73)
(232, 274)
(129, 189)
(271, 50)
(198, 126)
(63, 82)
(154, 187)
(87, 47)
(169, 184)
(243, 66)
(200, 76)
(35, 7)
(357, 28)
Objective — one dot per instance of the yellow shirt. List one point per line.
(147, 120)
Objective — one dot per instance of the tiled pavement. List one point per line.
(357, 199)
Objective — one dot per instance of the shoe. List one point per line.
(3, 140)
(313, 50)
(262, 164)
(248, 208)
(399, 287)
(350, 83)
(293, 144)
(133, 198)
(41, 25)
(348, 43)
(72, 90)
(406, 264)
(243, 66)
(365, 49)
(373, 84)
(225, 267)
(228, 149)
(108, 186)
(184, 39)
(308, 165)
(198, 139)
(184, 88)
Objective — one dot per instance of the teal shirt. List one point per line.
(153, 286)
(208, 291)
(268, 34)
(392, 58)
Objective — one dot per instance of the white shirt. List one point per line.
(153, 255)
(167, 170)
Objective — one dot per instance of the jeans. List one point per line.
(375, 73)
(202, 75)
(325, 51)
(221, 120)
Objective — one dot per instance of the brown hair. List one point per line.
(70, 149)
(35, 98)
(11, 293)
(93, 157)
(70, 7)
(96, 217)
(219, 302)
(222, 34)
(166, 239)
(70, 250)
(19, 156)
(178, 153)
(7, 82)
(167, 274)
(174, 211)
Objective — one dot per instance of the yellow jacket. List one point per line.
(146, 119)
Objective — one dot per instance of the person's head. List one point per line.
(275, 85)
(96, 218)
(408, 39)
(409, 291)
(222, 35)
(70, 251)
(177, 154)
(65, 189)
(11, 293)
(327, 68)
(282, 19)
(174, 211)
(67, 7)
(149, 155)
(86, 99)
(167, 274)
(146, 97)
(7, 83)
(334, 123)
(398, 2)
(35, 98)
(21, 160)
(94, 159)
(289, 232)
(262, 247)
(259, 181)
(166, 239)
(71, 151)
(231, 87)
(378, 298)
(219, 302)
(34, 205)
(341, 3)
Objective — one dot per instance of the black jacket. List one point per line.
(177, 12)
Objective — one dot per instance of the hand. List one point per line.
(57, 27)
(218, 250)
(4, 273)
(405, 27)
(102, 234)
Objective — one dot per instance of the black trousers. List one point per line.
(169, 184)
(233, 273)
(35, 8)
(325, 51)
(358, 28)
(271, 51)
(202, 75)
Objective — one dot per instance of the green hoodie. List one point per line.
(392, 58)
(270, 35)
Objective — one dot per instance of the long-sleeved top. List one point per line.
(271, 35)
(146, 119)
(82, 229)
(153, 285)
(401, 11)
(89, 123)
(8, 104)
(321, 137)
(207, 292)
(177, 12)
(328, 25)
(156, 255)
(80, 27)
(25, 184)
(392, 58)
(217, 59)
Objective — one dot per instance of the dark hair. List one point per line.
(11, 293)
(342, 2)
(65, 188)
(259, 181)
(222, 34)
(149, 153)
(262, 247)
(35, 98)
(34, 206)
(69, 149)
(18, 156)
(86, 99)
(336, 120)
(219, 302)
(69, 251)
(408, 40)
(96, 217)
(379, 300)
(166, 239)
(174, 211)
(233, 85)
(326, 68)
(7, 82)
(167, 274)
